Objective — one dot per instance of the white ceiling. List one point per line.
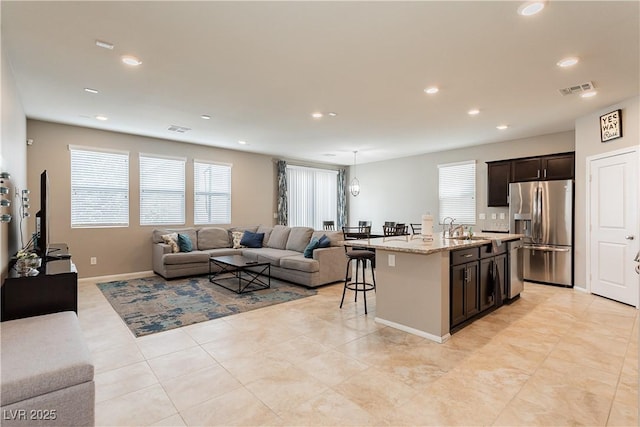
(259, 69)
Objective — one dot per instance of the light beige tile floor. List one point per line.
(555, 357)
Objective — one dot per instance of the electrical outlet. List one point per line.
(502, 215)
(94, 260)
(493, 216)
(482, 216)
(392, 260)
(275, 215)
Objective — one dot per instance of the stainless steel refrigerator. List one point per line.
(543, 212)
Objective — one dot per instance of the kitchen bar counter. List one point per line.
(413, 280)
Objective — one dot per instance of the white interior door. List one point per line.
(614, 226)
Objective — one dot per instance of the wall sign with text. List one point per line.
(611, 126)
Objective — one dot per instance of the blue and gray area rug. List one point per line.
(152, 304)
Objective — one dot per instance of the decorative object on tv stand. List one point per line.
(4, 190)
(28, 263)
(25, 203)
(354, 185)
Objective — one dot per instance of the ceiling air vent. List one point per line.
(584, 87)
(179, 129)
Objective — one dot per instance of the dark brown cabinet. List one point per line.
(544, 168)
(499, 177)
(478, 282)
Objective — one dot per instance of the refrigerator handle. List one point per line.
(534, 217)
(540, 210)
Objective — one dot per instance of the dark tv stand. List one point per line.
(54, 289)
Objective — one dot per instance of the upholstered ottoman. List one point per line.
(47, 374)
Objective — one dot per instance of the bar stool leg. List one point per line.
(364, 285)
(355, 298)
(346, 278)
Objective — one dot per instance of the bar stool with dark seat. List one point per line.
(360, 255)
(328, 225)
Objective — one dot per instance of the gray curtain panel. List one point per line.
(283, 196)
(342, 199)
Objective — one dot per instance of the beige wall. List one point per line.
(403, 189)
(588, 144)
(128, 249)
(13, 159)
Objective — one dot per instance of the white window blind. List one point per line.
(162, 185)
(99, 188)
(212, 198)
(313, 195)
(457, 192)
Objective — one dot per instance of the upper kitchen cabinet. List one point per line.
(499, 177)
(542, 168)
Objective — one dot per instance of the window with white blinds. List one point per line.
(313, 195)
(212, 193)
(457, 192)
(99, 188)
(162, 190)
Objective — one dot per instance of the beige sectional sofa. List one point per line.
(283, 247)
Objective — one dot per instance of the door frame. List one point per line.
(589, 160)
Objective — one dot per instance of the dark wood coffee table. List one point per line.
(249, 273)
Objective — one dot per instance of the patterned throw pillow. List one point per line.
(172, 240)
(237, 238)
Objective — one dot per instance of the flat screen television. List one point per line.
(42, 218)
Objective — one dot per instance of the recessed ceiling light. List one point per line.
(317, 115)
(103, 44)
(131, 60)
(101, 117)
(502, 127)
(329, 155)
(431, 90)
(531, 8)
(332, 114)
(589, 94)
(206, 116)
(473, 112)
(242, 142)
(567, 62)
(88, 89)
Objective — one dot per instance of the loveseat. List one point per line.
(283, 247)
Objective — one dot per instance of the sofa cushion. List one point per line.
(299, 238)
(236, 239)
(171, 239)
(324, 241)
(185, 243)
(26, 373)
(335, 236)
(267, 233)
(186, 258)
(213, 238)
(300, 263)
(223, 252)
(191, 232)
(251, 240)
(279, 236)
(313, 244)
(273, 256)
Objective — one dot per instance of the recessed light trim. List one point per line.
(432, 90)
(589, 94)
(242, 142)
(104, 45)
(332, 114)
(131, 60)
(473, 112)
(102, 118)
(205, 116)
(317, 115)
(531, 8)
(502, 127)
(89, 90)
(568, 62)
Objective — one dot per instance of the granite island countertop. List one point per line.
(415, 244)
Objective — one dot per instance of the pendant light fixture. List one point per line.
(354, 185)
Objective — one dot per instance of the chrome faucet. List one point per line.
(453, 232)
(444, 223)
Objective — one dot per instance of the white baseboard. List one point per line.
(413, 331)
(125, 276)
(577, 288)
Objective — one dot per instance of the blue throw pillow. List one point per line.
(313, 244)
(325, 242)
(252, 240)
(184, 242)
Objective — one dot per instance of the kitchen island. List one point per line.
(421, 286)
